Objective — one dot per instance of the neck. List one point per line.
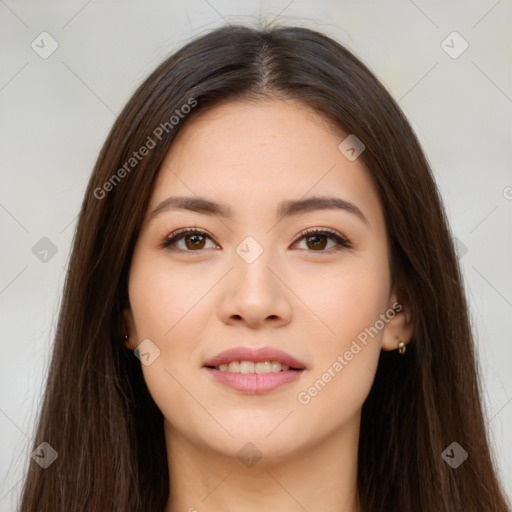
(322, 477)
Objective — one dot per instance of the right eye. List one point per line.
(193, 239)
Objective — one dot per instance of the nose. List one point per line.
(255, 294)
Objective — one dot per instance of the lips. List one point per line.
(255, 355)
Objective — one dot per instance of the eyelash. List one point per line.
(330, 233)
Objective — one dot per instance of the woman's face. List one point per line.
(250, 279)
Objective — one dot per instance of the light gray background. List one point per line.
(56, 113)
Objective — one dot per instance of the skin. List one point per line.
(310, 302)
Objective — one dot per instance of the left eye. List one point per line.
(316, 240)
(318, 236)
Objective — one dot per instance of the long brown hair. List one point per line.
(97, 412)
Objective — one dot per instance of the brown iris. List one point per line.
(317, 245)
(197, 241)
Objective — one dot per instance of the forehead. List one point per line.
(253, 156)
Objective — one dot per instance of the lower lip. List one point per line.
(255, 383)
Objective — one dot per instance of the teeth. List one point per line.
(262, 367)
(234, 366)
(276, 367)
(246, 367)
(252, 367)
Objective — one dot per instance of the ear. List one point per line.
(401, 326)
(131, 343)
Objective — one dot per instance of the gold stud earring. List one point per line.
(401, 346)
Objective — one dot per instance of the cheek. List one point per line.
(345, 301)
(163, 299)
(346, 350)
(345, 362)
(166, 305)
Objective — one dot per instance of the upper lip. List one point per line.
(256, 355)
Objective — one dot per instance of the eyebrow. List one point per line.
(284, 209)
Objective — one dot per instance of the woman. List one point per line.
(263, 308)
